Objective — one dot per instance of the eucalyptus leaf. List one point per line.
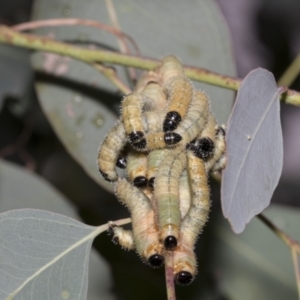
(195, 32)
(22, 189)
(254, 150)
(256, 264)
(44, 255)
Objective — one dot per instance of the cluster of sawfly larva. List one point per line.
(168, 141)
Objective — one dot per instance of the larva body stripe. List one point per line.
(218, 160)
(166, 193)
(145, 231)
(109, 151)
(137, 163)
(155, 158)
(184, 194)
(170, 67)
(195, 219)
(180, 93)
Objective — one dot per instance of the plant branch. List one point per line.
(171, 295)
(291, 73)
(11, 37)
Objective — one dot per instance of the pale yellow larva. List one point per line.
(144, 228)
(185, 267)
(169, 68)
(109, 151)
(166, 194)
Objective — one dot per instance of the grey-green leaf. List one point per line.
(254, 150)
(44, 255)
(256, 264)
(20, 188)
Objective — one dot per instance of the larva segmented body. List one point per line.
(155, 158)
(169, 68)
(193, 222)
(166, 194)
(145, 231)
(180, 93)
(109, 152)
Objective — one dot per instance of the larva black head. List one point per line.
(205, 148)
(156, 260)
(140, 145)
(105, 176)
(135, 136)
(183, 278)
(172, 138)
(151, 182)
(171, 121)
(170, 242)
(140, 181)
(221, 131)
(121, 162)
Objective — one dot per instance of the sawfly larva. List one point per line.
(180, 93)
(193, 123)
(109, 152)
(169, 68)
(144, 228)
(137, 163)
(166, 195)
(193, 222)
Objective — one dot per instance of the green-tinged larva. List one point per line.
(155, 158)
(166, 194)
(144, 228)
(185, 266)
(137, 164)
(185, 195)
(110, 150)
(192, 124)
